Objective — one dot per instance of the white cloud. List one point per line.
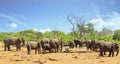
(13, 25)
(98, 23)
(113, 22)
(42, 30)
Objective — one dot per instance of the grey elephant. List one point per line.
(56, 44)
(45, 44)
(78, 42)
(32, 45)
(94, 45)
(107, 46)
(88, 44)
(18, 41)
(71, 44)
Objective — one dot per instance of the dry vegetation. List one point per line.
(77, 56)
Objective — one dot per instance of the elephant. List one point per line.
(78, 42)
(32, 45)
(107, 46)
(94, 45)
(45, 44)
(47, 47)
(56, 44)
(14, 41)
(71, 44)
(88, 44)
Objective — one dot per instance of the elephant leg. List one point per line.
(93, 49)
(101, 53)
(28, 49)
(35, 51)
(76, 45)
(8, 47)
(20, 49)
(69, 46)
(57, 48)
(110, 53)
(117, 52)
(62, 47)
(87, 47)
(80, 46)
(104, 53)
(73, 46)
(16, 48)
(5, 47)
(50, 50)
(39, 50)
(44, 51)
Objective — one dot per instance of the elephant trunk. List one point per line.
(23, 43)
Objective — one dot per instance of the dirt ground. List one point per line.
(77, 56)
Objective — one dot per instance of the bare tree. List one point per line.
(79, 25)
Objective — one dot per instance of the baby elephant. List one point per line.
(32, 45)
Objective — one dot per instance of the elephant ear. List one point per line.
(60, 40)
(18, 41)
(22, 39)
(116, 44)
(75, 40)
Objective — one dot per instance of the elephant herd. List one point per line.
(56, 45)
(95, 45)
(52, 45)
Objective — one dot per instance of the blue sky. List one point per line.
(45, 15)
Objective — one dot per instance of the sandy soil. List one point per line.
(77, 56)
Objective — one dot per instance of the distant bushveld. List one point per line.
(36, 36)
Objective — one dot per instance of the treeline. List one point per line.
(36, 36)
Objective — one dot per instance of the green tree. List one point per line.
(116, 35)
